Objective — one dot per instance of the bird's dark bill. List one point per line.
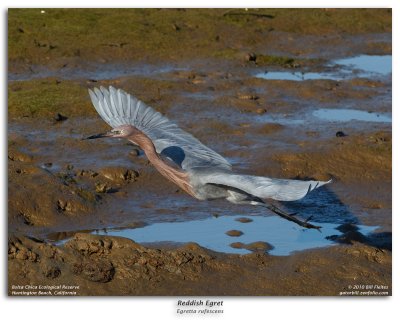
(99, 135)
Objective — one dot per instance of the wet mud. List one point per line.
(117, 266)
(66, 194)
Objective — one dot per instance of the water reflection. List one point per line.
(282, 236)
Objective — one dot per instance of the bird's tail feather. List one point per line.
(266, 188)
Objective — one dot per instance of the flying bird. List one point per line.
(184, 160)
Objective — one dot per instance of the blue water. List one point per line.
(368, 64)
(286, 237)
(342, 115)
(361, 66)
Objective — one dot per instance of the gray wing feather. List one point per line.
(116, 107)
(263, 187)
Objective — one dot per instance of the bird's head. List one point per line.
(123, 131)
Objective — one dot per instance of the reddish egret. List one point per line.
(181, 158)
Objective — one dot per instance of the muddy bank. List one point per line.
(116, 266)
(207, 70)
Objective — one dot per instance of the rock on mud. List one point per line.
(119, 174)
(59, 117)
(340, 134)
(251, 56)
(234, 233)
(258, 246)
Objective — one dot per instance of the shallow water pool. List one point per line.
(282, 236)
(343, 115)
(354, 67)
(368, 64)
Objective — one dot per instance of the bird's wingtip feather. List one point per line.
(92, 94)
(322, 183)
(112, 89)
(329, 181)
(97, 92)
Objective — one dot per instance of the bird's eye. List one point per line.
(117, 131)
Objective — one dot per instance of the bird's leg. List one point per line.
(239, 197)
(290, 217)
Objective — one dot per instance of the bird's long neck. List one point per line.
(179, 177)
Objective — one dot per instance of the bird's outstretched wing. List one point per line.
(117, 107)
(263, 187)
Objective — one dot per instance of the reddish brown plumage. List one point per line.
(177, 176)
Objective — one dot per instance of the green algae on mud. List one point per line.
(46, 98)
(53, 37)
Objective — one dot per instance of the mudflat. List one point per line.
(270, 90)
